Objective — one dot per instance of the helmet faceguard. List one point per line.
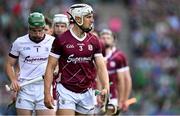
(80, 10)
(61, 18)
(36, 19)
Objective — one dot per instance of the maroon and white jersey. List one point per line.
(116, 62)
(76, 60)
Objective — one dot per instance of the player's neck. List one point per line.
(78, 32)
(36, 40)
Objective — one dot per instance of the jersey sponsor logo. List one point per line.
(69, 46)
(75, 60)
(30, 60)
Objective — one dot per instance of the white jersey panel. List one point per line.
(33, 56)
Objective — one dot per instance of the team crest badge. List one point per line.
(90, 47)
(112, 64)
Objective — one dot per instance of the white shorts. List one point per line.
(31, 97)
(79, 102)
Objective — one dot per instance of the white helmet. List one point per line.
(80, 10)
(106, 31)
(61, 18)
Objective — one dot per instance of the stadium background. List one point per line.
(146, 30)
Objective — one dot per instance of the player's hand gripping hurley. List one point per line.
(111, 109)
(8, 88)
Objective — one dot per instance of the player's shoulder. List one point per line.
(92, 36)
(63, 36)
(119, 53)
(49, 37)
(23, 38)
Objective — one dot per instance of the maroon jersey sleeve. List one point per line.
(56, 47)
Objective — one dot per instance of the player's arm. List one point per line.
(102, 73)
(10, 71)
(98, 83)
(128, 83)
(120, 87)
(124, 90)
(48, 79)
(17, 69)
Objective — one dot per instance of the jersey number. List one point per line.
(80, 48)
(37, 49)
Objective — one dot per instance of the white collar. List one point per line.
(74, 35)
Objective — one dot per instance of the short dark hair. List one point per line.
(48, 22)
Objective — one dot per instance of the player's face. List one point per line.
(60, 28)
(36, 33)
(108, 40)
(48, 30)
(88, 21)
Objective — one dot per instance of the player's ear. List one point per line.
(78, 19)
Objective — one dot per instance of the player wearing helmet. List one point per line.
(31, 52)
(60, 24)
(118, 69)
(79, 56)
(78, 12)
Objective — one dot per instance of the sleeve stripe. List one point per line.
(123, 69)
(54, 55)
(13, 56)
(98, 54)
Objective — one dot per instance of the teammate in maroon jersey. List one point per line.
(118, 69)
(77, 52)
(60, 25)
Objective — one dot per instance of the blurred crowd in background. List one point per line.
(155, 35)
(152, 45)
